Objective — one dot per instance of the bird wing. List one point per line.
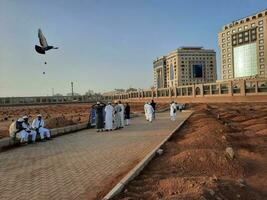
(42, 39)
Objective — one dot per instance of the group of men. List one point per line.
(150, 109)
(111, 117)
(22, 130)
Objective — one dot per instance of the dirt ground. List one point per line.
(195, 164)
(55, 116)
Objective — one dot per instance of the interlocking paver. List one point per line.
(79, 165)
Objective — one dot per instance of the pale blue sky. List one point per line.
(104, 44)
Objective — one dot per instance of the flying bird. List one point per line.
(43, 44)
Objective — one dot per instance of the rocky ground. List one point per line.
(55, 116)
(219, 154)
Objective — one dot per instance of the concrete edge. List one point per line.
(7, 141)
(141, 165)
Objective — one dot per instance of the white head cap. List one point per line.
(25, 117)
(20, 120)
(39, 115)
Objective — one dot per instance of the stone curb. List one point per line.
(6, 142)
(140, 166)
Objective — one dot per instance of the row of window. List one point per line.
(243, 28)
(261, 47)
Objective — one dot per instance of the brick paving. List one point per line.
(79, 165)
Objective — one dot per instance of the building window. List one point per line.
(253, 25)
(246, 27)
(261, 54)
(245, 60)
(261, 22)
(261, 47)
(223, 40)
(233, 31)
(262, 72)
(229, 71)
(228, 38)
(261, 41)
(223, 50)
(262, 66)
(228, 55)
(229, 76)
(223, 45)
(228, 49)
(261, 60)
(239, 29)
(229, 60)
(224, 66)
(261, 35)
(229, 66)
(260, 29)
(171, 72)
(228, 44)
(223, 34)
(228, 33)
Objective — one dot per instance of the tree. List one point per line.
(131, 89)
(90, 93)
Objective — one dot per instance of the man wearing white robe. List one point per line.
(121, 114)
(17, 131)
(109, 117)
(38, 125)
(145, 109)
(150, 112)
(28, 128)
(173, 109)
(117, 117)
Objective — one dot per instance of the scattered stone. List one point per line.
(230, 152)
(210, 191)
(125, 191)
(241, 182)
(160, 152)
(223, 137)
(214, 178)
(238, 196)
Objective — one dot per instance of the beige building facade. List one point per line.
(243, 47)
(185, 66)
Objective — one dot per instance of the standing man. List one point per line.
(150, 112)
(38, 126)
(28, 128)
(117, 117)
(127, 114)
(121, 114)
(99, 108)
(109, 117)
(145, 109)
(153, 104)
(173, 109)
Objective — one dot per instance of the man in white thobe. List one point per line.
(28, 128)
(16, 131)
(145, 109)
(173, 109)
(38, 125)
(121, 114)
(109, 118)
(117, 117)
(150, 112)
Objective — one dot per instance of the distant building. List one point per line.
(243, 47)
(160, 76)
(185, 66)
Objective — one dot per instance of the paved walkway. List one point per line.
(80, 165)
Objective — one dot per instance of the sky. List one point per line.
(103, 44)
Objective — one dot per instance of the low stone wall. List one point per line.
(8, 142)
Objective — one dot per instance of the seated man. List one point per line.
(28, 128)
(38, 125)
(17, 131)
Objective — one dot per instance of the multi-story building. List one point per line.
(185, 66)
(242, 46)
(160, 76)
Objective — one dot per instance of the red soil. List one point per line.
(195, 165)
